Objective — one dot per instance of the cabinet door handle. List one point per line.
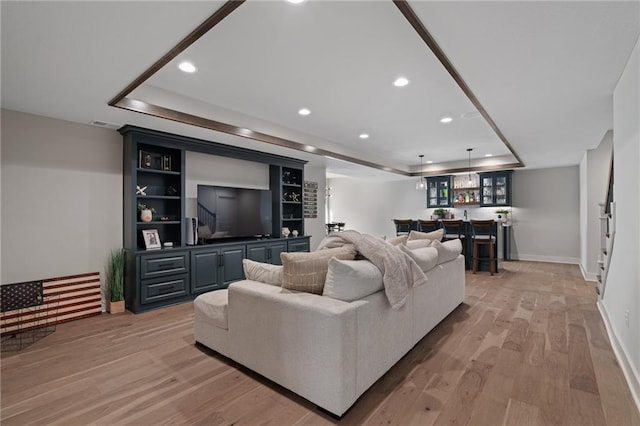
(165, 265)
(220, 260)
(269, 253)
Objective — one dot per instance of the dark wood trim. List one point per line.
(422, 31)
(191, 38)
(194, 120)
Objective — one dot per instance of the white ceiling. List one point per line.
(544, 71)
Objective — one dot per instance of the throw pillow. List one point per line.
(351, 280)
(307, 272)
(396, 241)
(448, 250)
(433, 235)
(262, 272)
(416, 244)
(426, 257)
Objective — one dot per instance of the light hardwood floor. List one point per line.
(527, 347)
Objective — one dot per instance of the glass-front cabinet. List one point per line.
(495, 188)
(438, 191)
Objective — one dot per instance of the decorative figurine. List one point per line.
(141, 191)
(285, 232)
(295, 233)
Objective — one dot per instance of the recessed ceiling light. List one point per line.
(310, 148)
(364, 136)
(488, 155)
(295, 1)
(187, 67)
(304, 111)
(401, 82)
(429, 162)
(446, 120)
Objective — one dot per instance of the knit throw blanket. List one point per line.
(399, 271)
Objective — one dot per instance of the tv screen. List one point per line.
(225, 212)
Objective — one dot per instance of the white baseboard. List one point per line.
(550, 259)
(588, 276)
(633, 378)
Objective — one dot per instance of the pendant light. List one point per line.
(470, 182)
(421, 185)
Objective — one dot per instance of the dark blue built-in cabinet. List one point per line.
(155, 161)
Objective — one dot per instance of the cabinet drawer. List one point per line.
(154, 266)
(161, 289)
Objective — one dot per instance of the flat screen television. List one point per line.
(229, 213)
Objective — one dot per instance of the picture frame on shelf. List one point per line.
(151, 239)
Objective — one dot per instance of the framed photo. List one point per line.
(151, 239)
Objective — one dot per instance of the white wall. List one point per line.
(370, 207)
(546, 215)
(61, 197)
(622, 291)
(594, 181)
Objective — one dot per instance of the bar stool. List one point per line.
(454, 229)
(428, 225)
(403, 226)
(482, 234)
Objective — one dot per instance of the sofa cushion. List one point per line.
(448, 250)
(351, 280)
(307, 272)
(262, 272)
(214, 307)
(425, 257)
(433, 235)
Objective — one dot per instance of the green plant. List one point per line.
(440, 212)
(145, 207)
(115, 275)
(502, 211)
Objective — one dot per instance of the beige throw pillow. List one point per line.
(307, 272)
(422, 243)
(433, 235)
(262, 272)
(351, 280)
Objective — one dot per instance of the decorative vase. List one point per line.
(285, 232)
(116, 307)
(146, 215)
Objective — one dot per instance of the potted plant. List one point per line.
(115, 281)
(146, 212)
(440, 213)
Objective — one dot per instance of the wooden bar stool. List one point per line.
(403, 226)
(482, 234)
(454, 229)
(428, 225)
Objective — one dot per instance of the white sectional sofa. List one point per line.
(326, 350)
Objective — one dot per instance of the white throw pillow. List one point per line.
(448, 250)
(262, 272)
(396, 241)
(422, 243)
(351, 280)
(425, 257)
(433, 235)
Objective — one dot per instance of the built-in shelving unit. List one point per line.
(154, 175)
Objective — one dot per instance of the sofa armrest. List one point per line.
(304, 342)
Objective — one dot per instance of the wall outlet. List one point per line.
(626, 318)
